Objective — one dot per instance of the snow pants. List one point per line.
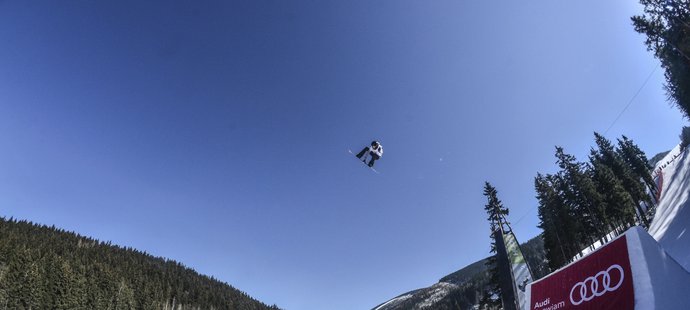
(373, 155)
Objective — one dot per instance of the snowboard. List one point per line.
(363, 161)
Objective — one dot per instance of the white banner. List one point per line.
(521, 273)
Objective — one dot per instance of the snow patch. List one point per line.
(439, 291)
(394, 300)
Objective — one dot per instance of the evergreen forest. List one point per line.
(48, 268)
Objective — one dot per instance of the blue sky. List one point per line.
(216, 133)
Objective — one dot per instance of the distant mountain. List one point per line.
(47, 268)
(462, 289)
(654, 160)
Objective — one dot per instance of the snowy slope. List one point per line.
(426, 298)
(672, 219)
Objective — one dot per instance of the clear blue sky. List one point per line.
(216, 133)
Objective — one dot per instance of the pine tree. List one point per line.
(666, 23)
(495, 211)
(32, 288)
(551, 213)
(620, 205)
(580, 194)
(607, 155)
(684, 138)
(124, 298)
(15, 285)
(637, 161)
(64, 285)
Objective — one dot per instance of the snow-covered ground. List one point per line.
(670, 224)
(423, 298)
(395, 300)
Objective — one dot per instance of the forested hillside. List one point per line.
(47, 268)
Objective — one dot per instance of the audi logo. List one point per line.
(596, 286)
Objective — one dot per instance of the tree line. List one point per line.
(44, 267)
(582, 203)
(592, 201)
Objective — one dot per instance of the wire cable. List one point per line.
(632, 99)
(607, 130)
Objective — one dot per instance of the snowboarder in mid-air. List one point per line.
(375, 152)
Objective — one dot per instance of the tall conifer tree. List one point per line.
(607, 155)
(560, 227)
(666, 23)
(637, 161)
(620, 206)
(495, 211)
(580, 193)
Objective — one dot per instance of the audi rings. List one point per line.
(596, 288)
